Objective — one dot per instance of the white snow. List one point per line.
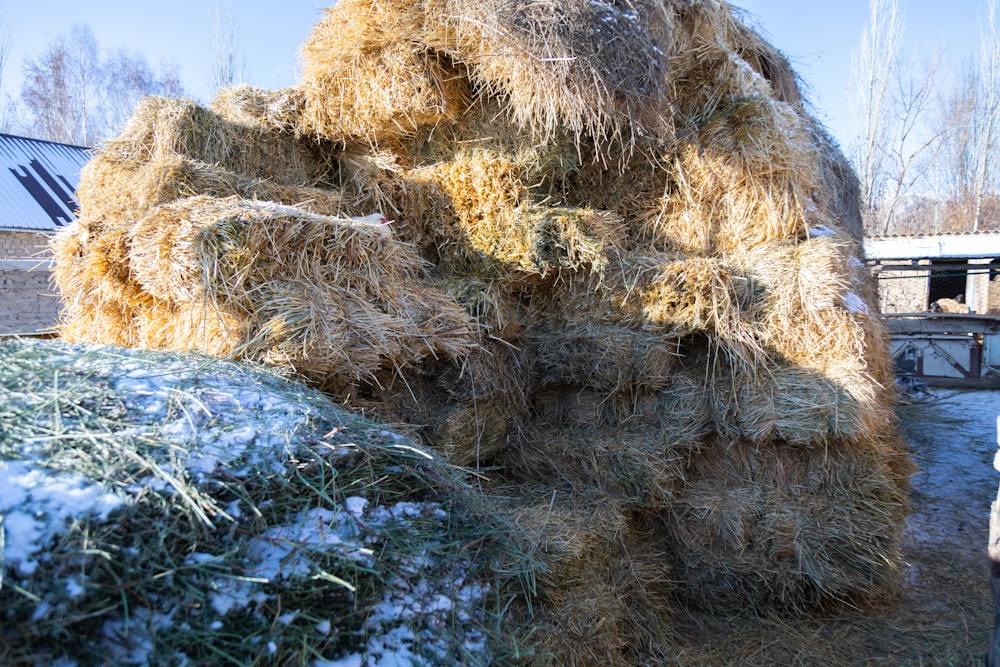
(356, 505)
(820, 231)
(953, 437)
(353, 660)
(35, 505)
(854, 303)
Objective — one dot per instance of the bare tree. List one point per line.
(73, 95)
(970, 122)
(872, 71)
(229, 63)
(59, 87)
(954, 174)
(5, 44)
(911, 145)
(985, 117)
(127, 78)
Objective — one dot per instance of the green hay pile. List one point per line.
(622, 267)
(173, 509)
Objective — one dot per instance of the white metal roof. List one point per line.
(936, 246)
(38, 181)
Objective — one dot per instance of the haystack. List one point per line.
(620, 271)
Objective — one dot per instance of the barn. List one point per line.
(916, 271)
(939, 295)
(38, 181)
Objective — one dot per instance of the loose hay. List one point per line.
(278, 520)
(334, 299)
(364, 78)
(596, 69)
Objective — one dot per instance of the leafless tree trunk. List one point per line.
(872, 70)
(58, 89)
(970, 122)
(229, 63)
(956, 169)
(127, 78)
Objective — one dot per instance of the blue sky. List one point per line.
(819, 36)
(179, 32)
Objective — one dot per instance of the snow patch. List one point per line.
(854, 303)
(36, 504)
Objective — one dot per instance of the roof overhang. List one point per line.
(940, 246)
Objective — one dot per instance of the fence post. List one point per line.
(993, 653)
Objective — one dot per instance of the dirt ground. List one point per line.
(944, 613)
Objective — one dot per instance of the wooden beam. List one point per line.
(941, 323)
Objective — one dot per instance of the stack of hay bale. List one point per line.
(621, 270)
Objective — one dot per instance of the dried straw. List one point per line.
(365, 77)
(620, 269)
(596, 69)
(163, 128)
(757, 526)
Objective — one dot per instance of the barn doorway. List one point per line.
(947, 280)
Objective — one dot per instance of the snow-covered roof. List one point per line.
(934, 246)
(38, 181)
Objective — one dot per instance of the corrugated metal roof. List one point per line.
(934, 234)
(38, 181)
(934, 246)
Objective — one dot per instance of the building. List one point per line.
(38, 181)
(940, 298)
(914, 272)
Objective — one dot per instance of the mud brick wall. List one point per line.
(902, 291)
(27, 297)
(993, 299)
(23, 245)
(28, 303)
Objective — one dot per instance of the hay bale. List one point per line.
(114, 194)
(468, 409)
(326, 334)
(613, 295)
(475, 214)
(210, 248)
(605, 594)
(333, 299)
(365, 77)
(817, 318)
(260, 108)
(373, 70)
(606, 358)
(639, 465)
(495, 307)
(596, 69)
(163, 128)
(759, 525)
(748, 178)
(92, 274)
(166, 325)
